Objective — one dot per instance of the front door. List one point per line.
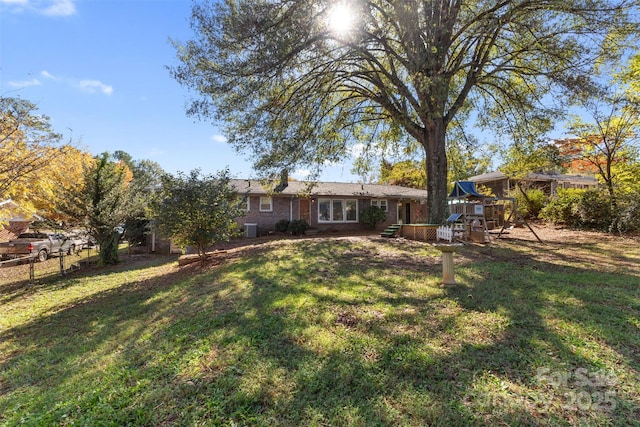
(407, 213)
(304, 210)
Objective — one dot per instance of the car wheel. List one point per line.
(43, 255)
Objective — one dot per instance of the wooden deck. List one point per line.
(425, 232)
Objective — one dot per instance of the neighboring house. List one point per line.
(327, 206)
(12, 220)
(501, 185)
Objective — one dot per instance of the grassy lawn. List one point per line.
(329, 332)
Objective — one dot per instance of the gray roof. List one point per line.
(536, 176)
(486, 177)
(300, 188)
(562, 178)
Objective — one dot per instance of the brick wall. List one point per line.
(266, 220)
(287, 207)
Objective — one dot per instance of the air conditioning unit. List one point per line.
(251, 230)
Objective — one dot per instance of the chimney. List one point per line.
(284, 181)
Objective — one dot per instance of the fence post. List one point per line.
(61, 256)
(32, 274)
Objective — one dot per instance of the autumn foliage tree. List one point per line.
(35, 164)
(406, 173)
(27, 142)
(606, 142)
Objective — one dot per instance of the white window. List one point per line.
(381, 203)
(337, 210)
(351, 207)
(266, 204)
(324, 210)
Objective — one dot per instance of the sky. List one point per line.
(98, 69)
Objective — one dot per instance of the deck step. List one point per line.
(391, 230)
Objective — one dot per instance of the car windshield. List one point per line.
(32, 236)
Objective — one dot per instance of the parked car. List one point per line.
(38, 245)
(74, 243)
(88, 241)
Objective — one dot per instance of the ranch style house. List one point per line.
(327, 206)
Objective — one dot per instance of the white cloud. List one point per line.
(25, 83)
(219, 138)
(60, 8)
(359, 150)
(93, 86)
(13, 6)
(86, 85)
(156, 152)
(48, 75)
(301, 173)
(43, 7)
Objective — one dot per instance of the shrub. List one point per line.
(562, 208)
(531, 205)
(297, 227)
(282, 225)
(594, 210)
(580, 209)
(629, 215)
(372, 216)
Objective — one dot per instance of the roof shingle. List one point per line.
(300, 188)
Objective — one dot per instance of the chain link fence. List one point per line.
(29, 269)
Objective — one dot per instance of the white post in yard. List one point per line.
(448, 275)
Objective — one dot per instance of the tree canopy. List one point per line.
(198, 210)
(607, 140)
(102, 204)
(295, 91)
(36, 166)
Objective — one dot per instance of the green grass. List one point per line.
(331, 332)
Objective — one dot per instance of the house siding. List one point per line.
(266, 220)
(289, 199)
(288, 208)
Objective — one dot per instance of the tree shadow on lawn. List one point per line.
(16, 284)
(387, 371)
(51, 354)
(348, 340)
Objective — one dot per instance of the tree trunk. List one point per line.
(109, 248)
(436, 164)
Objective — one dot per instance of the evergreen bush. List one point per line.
(372, 216)
(282, 225)
(531, 205)
(562, 208)
(298, 227)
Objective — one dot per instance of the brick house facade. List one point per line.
(327, 206)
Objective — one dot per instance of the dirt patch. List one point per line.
(557, 234)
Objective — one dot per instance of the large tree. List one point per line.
(36, 167)
(103, 203)
(27, 142)
(198, 210)
(606, 140)
(297, 90)
(145, 183)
